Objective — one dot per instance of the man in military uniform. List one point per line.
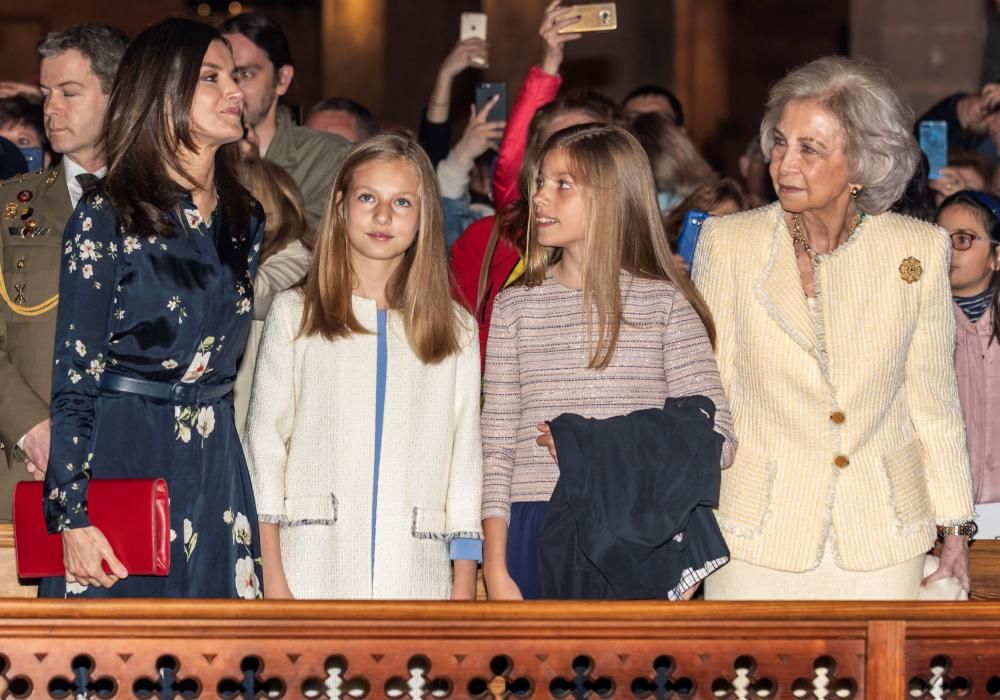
(77, 69)
(265, 70)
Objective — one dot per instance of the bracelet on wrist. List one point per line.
(967, 529)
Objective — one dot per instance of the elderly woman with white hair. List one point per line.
(835, 346)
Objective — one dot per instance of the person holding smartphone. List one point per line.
(435, 123)
(973, 120)
(487, 257)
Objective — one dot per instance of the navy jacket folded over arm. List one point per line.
(630, 517)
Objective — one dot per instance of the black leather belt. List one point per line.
(178, 392)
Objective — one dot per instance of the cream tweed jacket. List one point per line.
(310, 446)
(848, 421)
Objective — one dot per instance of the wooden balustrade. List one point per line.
(236, 649)
(554, 649)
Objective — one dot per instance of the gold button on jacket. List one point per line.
(787, 370)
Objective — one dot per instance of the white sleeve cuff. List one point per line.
(453, 177)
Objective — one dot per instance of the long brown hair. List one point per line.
(148, 123)
(623, 230)
(420, 288)
(284, 210)
(511, 224)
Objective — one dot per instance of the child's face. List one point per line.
(971, 269)
(558, 203)
(382, 209)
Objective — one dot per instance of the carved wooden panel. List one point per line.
(131, 666)
(968, 667)
(231, 649)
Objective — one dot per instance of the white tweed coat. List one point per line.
(310, 445)
(849, 422)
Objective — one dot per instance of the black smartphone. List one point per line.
(485, 92)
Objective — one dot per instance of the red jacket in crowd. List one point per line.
(468, 251)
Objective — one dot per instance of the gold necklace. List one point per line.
(799, 237)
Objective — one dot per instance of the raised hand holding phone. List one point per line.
(472, 25)
(594, 17)
(555, 19)
(480, 134)
(467, 53)
(485, 94)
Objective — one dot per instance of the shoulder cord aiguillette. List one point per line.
(22, 310)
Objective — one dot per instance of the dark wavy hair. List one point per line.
(265, 33)
(148, 123)
(986, 208)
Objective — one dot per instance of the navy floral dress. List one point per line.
(174, 309)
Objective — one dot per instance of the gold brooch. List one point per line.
(10, 211)
(910, 270)
(53, 176)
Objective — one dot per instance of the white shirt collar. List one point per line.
(72, 170)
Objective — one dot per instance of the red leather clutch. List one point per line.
(134, 514)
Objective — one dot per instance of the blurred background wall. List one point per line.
(719, 56)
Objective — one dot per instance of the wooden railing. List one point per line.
(234, 649)
(237, 649)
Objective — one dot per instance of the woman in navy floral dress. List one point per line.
(155, 306)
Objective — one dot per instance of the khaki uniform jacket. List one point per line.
(311, 157)
(849, 422)
(30, 254)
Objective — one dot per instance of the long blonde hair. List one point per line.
(419, 289)
(511, 224)
(623, 231)
(284, 209)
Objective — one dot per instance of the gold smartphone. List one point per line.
(596, 17)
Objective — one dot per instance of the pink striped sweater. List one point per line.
(536, 369)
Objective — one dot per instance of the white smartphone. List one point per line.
(472, 26)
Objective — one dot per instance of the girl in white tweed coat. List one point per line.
(363, 434)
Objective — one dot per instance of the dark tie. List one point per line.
(87, 180)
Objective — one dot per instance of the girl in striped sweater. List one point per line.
(602, 323)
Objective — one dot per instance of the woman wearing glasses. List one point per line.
(973, 220)
(835, 341)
